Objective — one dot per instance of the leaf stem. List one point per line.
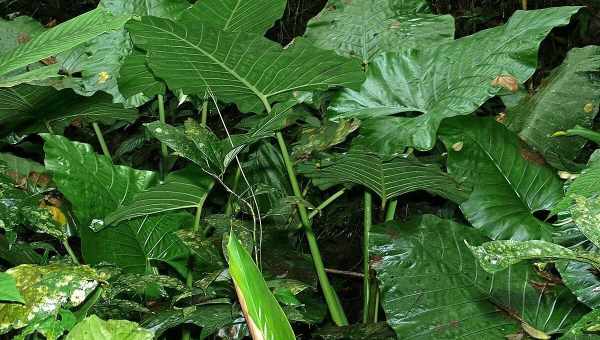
(581, 132)
(236, 183)
(333, 302)
(367, 222)
(101, 140)
(163, 147)
(81, 313)
(391, 210)
(69, 250)
(204, 116)
(323, 205)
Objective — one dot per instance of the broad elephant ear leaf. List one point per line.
(364, 29)
(182, 189)
(238, 67)
(426, 272)
(171, 9)
(586, 184)
(264, 316)
(569, 97)
(447, 80)
(30, 109)
(61, 38)
(255, 16)
(586, 214)
(8, 289)
(508, 185)
(388, 178)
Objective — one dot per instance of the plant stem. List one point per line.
(49, 127)
(65, 244)
(367, 221)
(581, 132)
(101, 140)
(323, 205)
(391, 210)
(333, 303)
(204, 116)
(162, 118)
(236, 183)
(81, 313)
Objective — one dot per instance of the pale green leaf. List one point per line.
(136, 78)
(94, 328)
(387, 178)
(264, 316)
(239, 67)
(452, 79)
(171, 9)
(18, 31)
(8, 289)
(586, 184)
(313, 140)
(366, 28)
(35, 76)
(498, 255)
(586, 214)
(432, 287)
(45, 290)
(183, 189)
(569, 97)
(508, 185)
(61, 38)
(255, 16)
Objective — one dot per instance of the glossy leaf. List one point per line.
(432, 286)
(388, 178)
(210, 317)
(237, 67)
(8, 289)
(365, 28)
(586, 184)
(235, 15)
(581, 279)
(498, 255)
(137, 244)
(186, 188)
(136, 78)
(45, 290)
(586, 214)
(264, 316)
(588, 325)
(26, 108)
(171, 9)
(94, 328)
(448, 80)
(508, 185)
(569, 97)
(61, 38)
(313, 140)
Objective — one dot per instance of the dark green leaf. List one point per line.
(569, 97)
(210, 317)
(586, 184)
(186, 188)
(371, 331)
(255, 16)
(171, 9)
(365, 28)
(508, 186)
(448, 80)
(588, 325)
(237, 67)
(313, 140)
(388, 178)
(432, 286)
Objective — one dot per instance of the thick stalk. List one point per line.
(333, 303)
(391, 211)
(65, 244)
(81, 313)
(189, 280)
(101, 140)
(204, 116)
(164, 152)
(367, 222)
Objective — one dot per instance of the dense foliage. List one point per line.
(169, 171)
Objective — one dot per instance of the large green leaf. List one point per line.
(508, 187)
(18, 31)
(8, 289)
(255, 16)
(239, 67)
(586, 184)
(569, 97)
(587, 327)
(210, 317)
(27, 108)
(161, 8)
(45, 290)
(61, 38)
(388, 178)
(136, 78)
(186, 188)
(432, 286)
(264, 315)
(365, 28)
(94, 328)
(94, 186)
(498, 255)
(586, 214)
(448, 80)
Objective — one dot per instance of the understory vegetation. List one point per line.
(271, 169)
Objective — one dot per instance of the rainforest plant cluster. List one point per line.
(364, 169)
